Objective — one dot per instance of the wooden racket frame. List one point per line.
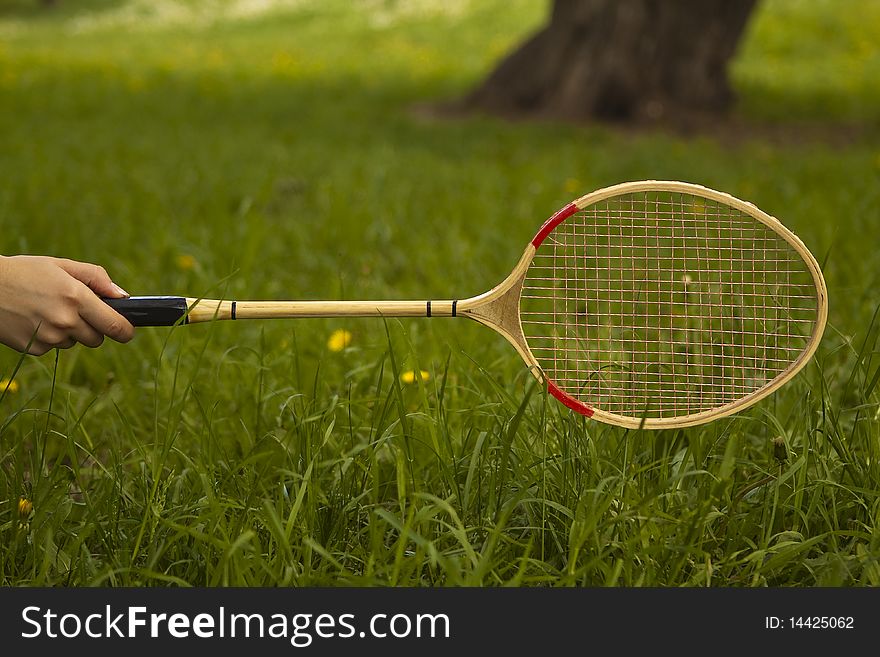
(499, 307)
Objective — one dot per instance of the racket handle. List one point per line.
(150, 311)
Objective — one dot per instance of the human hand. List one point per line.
(57, 302)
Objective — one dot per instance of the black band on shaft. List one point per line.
(429, 309)
(454, 304)
(232, 314)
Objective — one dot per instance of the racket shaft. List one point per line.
(208, 309)
(166, 311)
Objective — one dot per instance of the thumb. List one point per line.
(94, 276)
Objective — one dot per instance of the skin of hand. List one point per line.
(55, 302)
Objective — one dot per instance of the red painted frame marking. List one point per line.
(568, 400)
(553, 222)
(543, 232)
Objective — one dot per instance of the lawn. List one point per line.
(227, 149)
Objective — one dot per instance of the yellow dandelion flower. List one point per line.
(572, 185)
(185, 262)
(339, 340)
(8, 385)
(25, 506)
(411, 377)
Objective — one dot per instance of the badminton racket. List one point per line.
(646, 304)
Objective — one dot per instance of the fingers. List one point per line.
(85, 334)
(63, 332)
(102, 319)
(82, 317)
(59, 334)
(38, 347)
(99, 318)
(94, 276)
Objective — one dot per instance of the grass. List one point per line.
(275, 156)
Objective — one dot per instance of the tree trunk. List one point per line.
(621, 60)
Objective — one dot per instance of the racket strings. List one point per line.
(664, 304)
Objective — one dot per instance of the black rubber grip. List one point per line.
(150, 311)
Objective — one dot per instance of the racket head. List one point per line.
(663, 304)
